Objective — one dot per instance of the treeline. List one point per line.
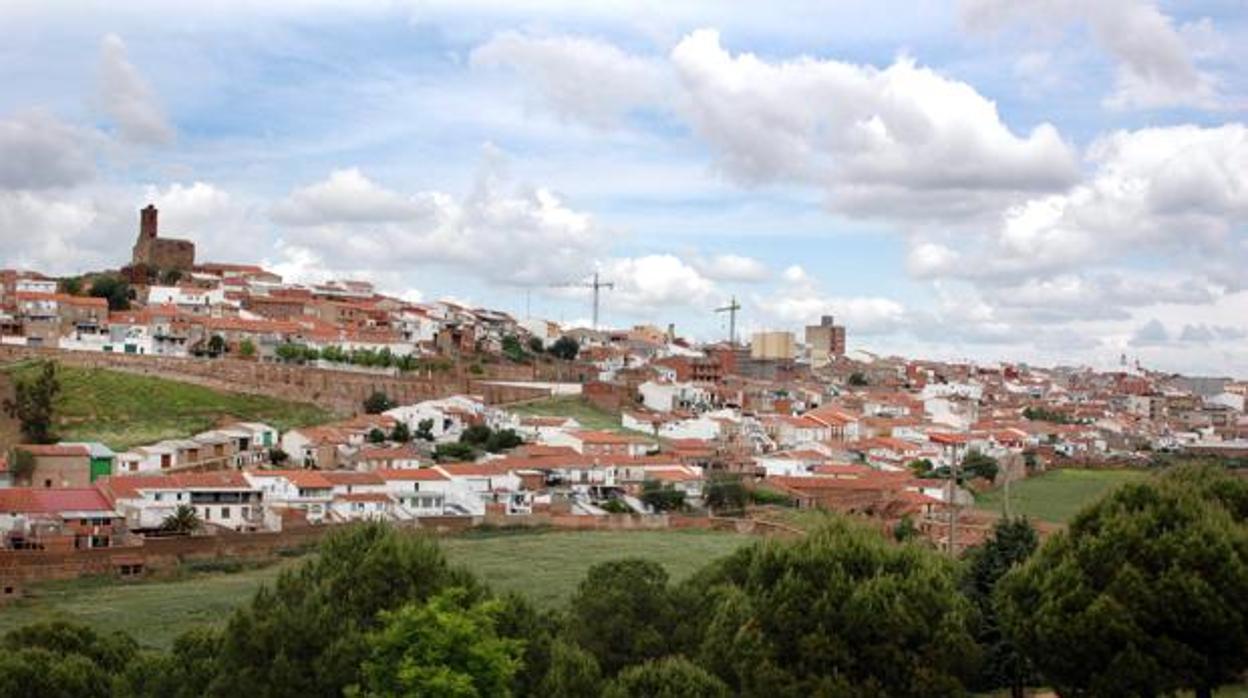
(372, 358)
(1143, 595)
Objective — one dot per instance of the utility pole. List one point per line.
(953, 505)
(732, 308)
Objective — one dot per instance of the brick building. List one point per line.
(154, 252)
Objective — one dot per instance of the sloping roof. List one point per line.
(28, 500)
(56, 450)
(412, 475)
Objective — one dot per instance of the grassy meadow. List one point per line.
(1057, 495)
(589, 415)
(544, 566)
(124, 410)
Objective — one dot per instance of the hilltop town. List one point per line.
(677, 428)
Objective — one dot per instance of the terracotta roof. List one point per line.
(608, 438)
(412, 474)
(28, 500)
(364, 497)
(352, 477)
(309, 479)
(55, 450)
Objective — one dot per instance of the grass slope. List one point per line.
(1058, 495)
(546, 567)
(124, 410)
(589, 415)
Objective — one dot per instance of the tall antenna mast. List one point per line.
(597, 285)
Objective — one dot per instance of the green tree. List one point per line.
(71, 285)
(114, 290)
(672, 677)
(277, 456)
(247, 349)
(401, 433)
(447, 646)
(454, 452)
(424, 430)
(377, 402)
(306, 635)
(838, 612)
(905, 530)
(476, 435)
(183, 520)
(573, 673)
(726, 493)
(189, 670)
(216, 345)
(1143, 594)
(858, 379)
(376, 436)
(662, 497)
(565, 348)
(503, 440)
(536, 346)
(171, 277)
(1012, 542)
(976, 465)
(62, 660)
(33, 403)
(514, 350)
(622, 613)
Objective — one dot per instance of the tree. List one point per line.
(1143, 594)
(453, 453)
(503, 440)
(838, 612)
(977, 465)
(622, 613)
(565, 348)
(905, 530)
(114, 290)
(1012, 542)
(514, 350)
(62, 660)
(277, 456)
(183, 520)
(171, 277)
(247, 349)
(190, 670)
(424, 430)
(21, 465)
(858, 379)
(71, 285)
(726, 493)
(216, 345)
(401, 433)
(573, 673)
(447, 646)
(475, 435)
(672, 677)
(307, 635)
(661, 497)
(33, 403)
(377, 402)
(376, 436)
(921, 467)
(536, 346)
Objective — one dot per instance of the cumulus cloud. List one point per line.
(128, 99)
(1151, 333)
(865, 315)
(38, 151)
(520, 235)
(733, 267)
(891, 141)
(1204, 333)
(1155, 64)
(655, 284)
(581, 78)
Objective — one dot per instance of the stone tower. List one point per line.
(153, 252)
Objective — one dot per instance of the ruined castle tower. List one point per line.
(153, 252)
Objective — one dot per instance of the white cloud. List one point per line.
(580, 78)
(127, 98)
(38, 151)
(1155, 64)
(655, 285)
(865, 316)
(1150, 333)
(897, 141)
(733, 267)
(523, 236)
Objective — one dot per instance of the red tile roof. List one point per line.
(28, 500)
(55, 450)
(412, 475)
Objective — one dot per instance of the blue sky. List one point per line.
(1039, 180)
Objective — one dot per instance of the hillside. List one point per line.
(124, 410)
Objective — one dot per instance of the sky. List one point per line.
(1049, 181)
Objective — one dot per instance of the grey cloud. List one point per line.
(127, 98)
(37, 151)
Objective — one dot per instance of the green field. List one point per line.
(589, 415)
(124, 410)
(1057, 495)
(546, 567)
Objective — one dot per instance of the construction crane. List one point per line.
(732, 308)
(597, 285)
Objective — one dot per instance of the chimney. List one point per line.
(147, 222)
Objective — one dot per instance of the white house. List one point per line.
(306, 490)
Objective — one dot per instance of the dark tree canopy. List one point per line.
(1012, 542)
(672, 677)
(33, 403)
(565, 348)
(1143, 595)
(377, 402)
(622, 613)
(114, 290)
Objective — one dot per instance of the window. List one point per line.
(47, 484)
(225, 512)
(160, 496)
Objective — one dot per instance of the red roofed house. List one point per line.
(221, 499)
(57, 465)
(601, 443)
(305, 490)
(57, 519)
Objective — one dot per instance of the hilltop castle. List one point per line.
(153, 252)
